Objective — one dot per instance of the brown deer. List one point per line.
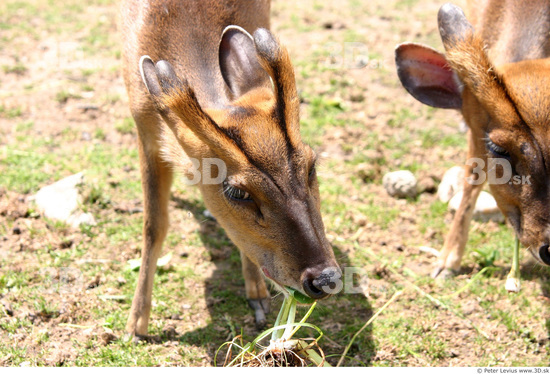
(497, 72)
(203, 89)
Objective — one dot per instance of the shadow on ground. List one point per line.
(230, 315)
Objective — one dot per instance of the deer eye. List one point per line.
(313, 169)
(496, 150)
(235, 193)
(312, 172)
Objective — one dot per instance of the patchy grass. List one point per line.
(126, 126)
(17, 68)
(65, 293)
(10, 112)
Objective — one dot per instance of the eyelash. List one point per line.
(238, 194)
(311, 171)
(235, 193)
(495, 149)
(313, 168)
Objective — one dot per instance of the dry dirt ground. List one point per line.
(64, 292)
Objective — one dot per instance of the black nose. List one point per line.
(320, 285)
(545, 254)
(312, 291)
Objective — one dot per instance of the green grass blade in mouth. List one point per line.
(300, 298)
(513, 282)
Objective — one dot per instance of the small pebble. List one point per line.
(451, 184)
(401, 184)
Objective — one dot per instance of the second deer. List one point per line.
(497, 72)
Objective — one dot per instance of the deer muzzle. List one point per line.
(320, 282)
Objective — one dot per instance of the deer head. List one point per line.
(267, 198)
(507, 109)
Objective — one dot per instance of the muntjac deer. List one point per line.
(207, 80)
(497, 72)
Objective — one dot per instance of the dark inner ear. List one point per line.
(426, 75)
(239, 64)
(166, 75)
(149, 76)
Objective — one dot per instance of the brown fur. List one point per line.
(506, 77)
(280, 233)
(468, 58)
(512, 30)
(499, 77)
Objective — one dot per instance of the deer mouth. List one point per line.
(266, 272)
(268, 276)
(302, 298)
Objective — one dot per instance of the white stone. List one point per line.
(80, 218)
(513, 285)
(400, 184)
(209, 215)
(486, 208)
(451, 183)
(463, 127)
(61, 201)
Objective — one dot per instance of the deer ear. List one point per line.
(453, 25)
(466, 55)
(426, 75)
(239, 64)
(149, 76)
(276, 61)
(159, 78)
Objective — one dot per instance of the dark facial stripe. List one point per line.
(280, 115)
(280, 109)
(234, 134)
(521, 119)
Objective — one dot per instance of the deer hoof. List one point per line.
(443, 273)
(261, 308)
(137, 338)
